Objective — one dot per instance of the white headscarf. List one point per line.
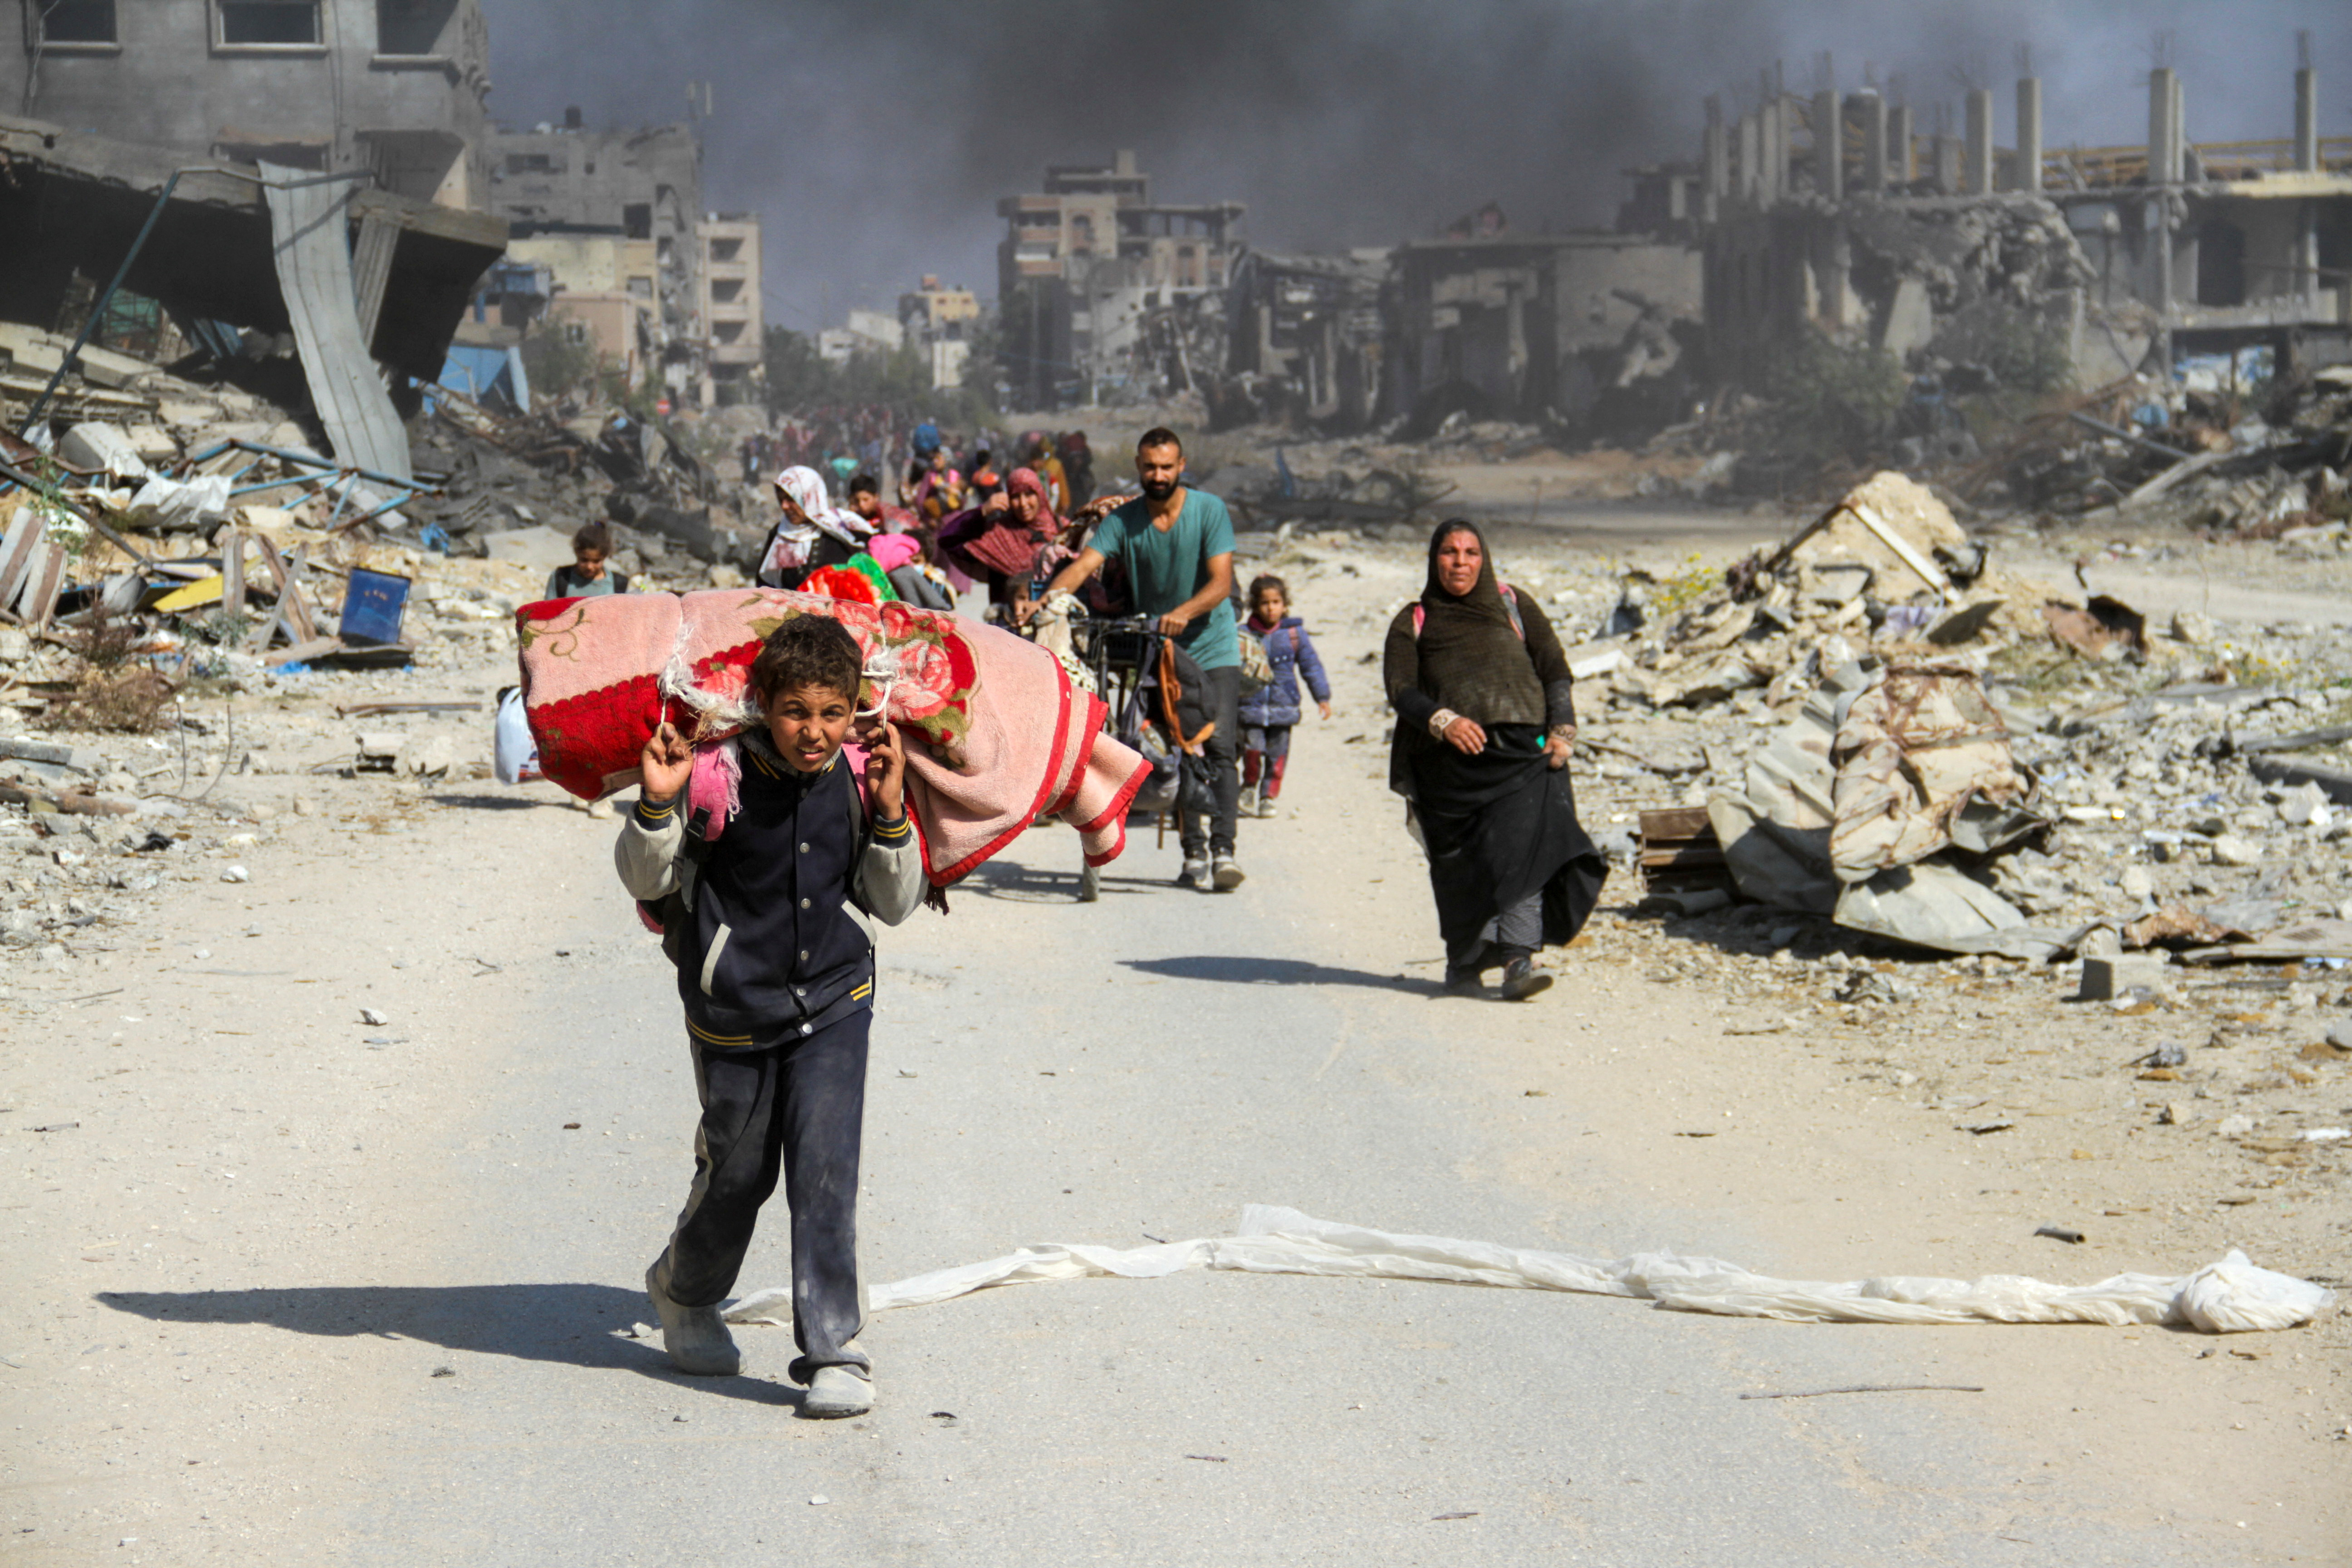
(789, 546)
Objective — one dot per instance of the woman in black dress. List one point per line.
(1486, 717)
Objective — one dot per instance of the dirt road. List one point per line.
(293, 1286)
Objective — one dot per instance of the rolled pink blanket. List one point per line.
(999, 737)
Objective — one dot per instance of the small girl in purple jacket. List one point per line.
(1268, 715)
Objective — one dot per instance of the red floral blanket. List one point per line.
(1001, 737)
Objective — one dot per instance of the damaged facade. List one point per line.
(1530, 327)
(1105, 288)
(593, 206)
(397, 88)
(1830, 211)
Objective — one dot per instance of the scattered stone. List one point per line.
(2176, 1114)
(2193, 627)
(2229, 849)
(2138, 882)
(236, 874)
(2110, 979)
(369, 1015)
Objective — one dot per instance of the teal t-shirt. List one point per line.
(1164, 570)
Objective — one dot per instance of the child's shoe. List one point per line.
(836, 1392)
(696, 1337)
(1251, 806)
(1267, 806)
(1195, 873)
(1229, 874)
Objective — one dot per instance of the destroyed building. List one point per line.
(1306, 339)
(1831, 212)
(939, 322)
(1522, 326)
(1106, 290)
(396, 86)
(78, 205)
(592, 205)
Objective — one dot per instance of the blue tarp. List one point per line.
(494, 377)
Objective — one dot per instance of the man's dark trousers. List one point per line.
(1212, 783)
(795, 1110)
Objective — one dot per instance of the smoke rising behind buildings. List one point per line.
(873, 139)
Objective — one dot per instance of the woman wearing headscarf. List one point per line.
(811, 532)
(1000, 542)
(1485, 719)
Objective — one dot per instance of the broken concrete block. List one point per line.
(2193, 627)
(2231, 850)
(104, 447)
(2138, 882)
(380, 752)
(2105, 979)
(2303, 804)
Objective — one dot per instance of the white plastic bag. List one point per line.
(514, 755)
(189, 503)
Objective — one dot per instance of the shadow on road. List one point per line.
(1254, 971)
(499, 801)
(571, 1324)
(1031, 885)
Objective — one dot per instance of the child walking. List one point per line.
(1268, 715)
(768, 867)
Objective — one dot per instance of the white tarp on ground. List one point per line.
(2229, 1297)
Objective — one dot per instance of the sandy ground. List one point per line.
(290, 1284)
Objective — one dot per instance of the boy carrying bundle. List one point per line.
(767, 885)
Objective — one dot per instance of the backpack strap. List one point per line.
(1420, 614)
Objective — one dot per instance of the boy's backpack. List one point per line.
(1510, 603)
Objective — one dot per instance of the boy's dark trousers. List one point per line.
(796, 1109)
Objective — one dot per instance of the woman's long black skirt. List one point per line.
(1498, 826)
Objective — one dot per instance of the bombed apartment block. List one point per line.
(1105, 291)
(1585, 331)
(1306, 340)
(397, 88)
(592, 205)
(1835, 210)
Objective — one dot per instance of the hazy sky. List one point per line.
(873, 137)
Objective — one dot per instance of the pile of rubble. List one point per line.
(1894, 755)
(2206, 453)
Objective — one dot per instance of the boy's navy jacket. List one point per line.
(776, 937)
(1292, 653)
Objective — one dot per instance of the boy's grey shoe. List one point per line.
(1196, 872)
(836, 1392)
(1228, 874)
(696, 1337)
(1265, 805)
(1249, 805)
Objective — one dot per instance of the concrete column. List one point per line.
(1871, 110)
(2029, 134)
(2306, 158)
(2161, 105)
(1980, 128)
(1901, 163)
(1829, 144)
(1773, 162)
(1948, 166)
(2306, 120)
(1751, 142)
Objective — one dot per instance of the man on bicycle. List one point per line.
(1177, 545)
